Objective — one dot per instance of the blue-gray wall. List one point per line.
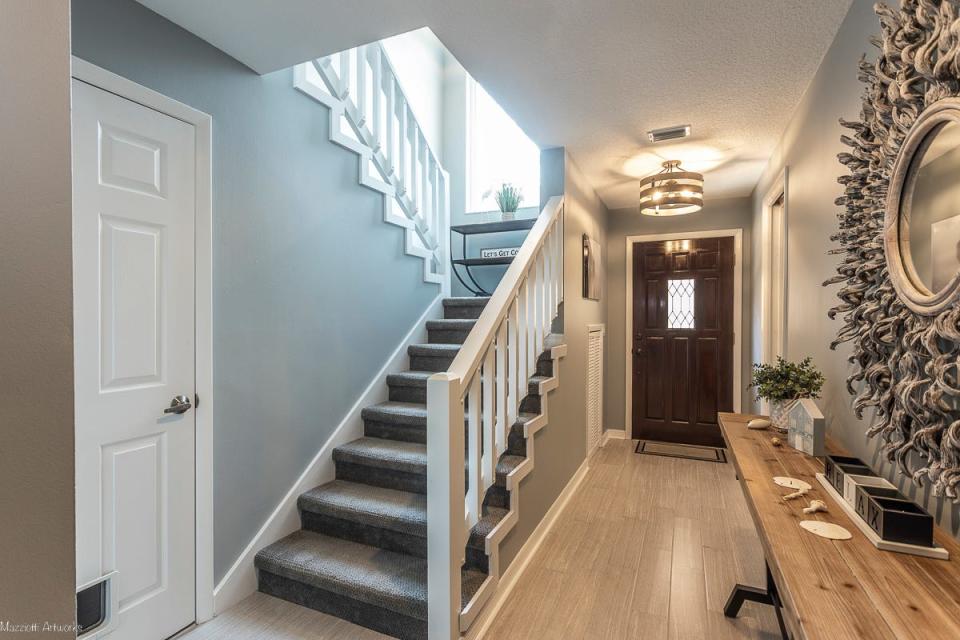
(312, 291)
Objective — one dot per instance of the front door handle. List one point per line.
(179, 404)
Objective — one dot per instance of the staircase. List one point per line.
(361, 552)
(371, 116)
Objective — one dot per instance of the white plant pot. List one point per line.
(506, 216)
(778, 413)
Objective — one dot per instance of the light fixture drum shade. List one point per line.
(671, 192)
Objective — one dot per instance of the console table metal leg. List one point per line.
(453, 268)
(742, 593)
(478, 291)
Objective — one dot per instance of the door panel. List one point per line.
(134, 325)
(683, 339)
(681, 378)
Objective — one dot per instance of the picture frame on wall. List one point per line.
(591, 268)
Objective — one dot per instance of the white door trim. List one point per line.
(737, 311)
(771, 290)
(203, 123)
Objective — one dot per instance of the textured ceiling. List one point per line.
(591, 75)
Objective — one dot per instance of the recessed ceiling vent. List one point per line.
(669, 133)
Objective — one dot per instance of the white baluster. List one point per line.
(414, 157)
(544, 308)
(501, 394)
(513, 371)
(377, 64)
(474, 488)
(362, 85)
(560, 264)
(402, 115)
(537, 304)
(391, 115)
(531, 318)
(425, 211)
(443, 219)
(522, 335)
(489, 419)
(345, 75)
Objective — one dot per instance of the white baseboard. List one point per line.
(508, 581)
(241, 579)
(613, 434)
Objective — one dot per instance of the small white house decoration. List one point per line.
(806, 427)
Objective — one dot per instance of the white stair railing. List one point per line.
(483, 388)
(370, 115)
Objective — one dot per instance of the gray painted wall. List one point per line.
(36, 286)
(561, 446)
(730, 213)
(312, 291)
(808, 149)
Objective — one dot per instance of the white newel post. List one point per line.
(445, 505)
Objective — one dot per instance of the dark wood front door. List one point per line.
(682, 339)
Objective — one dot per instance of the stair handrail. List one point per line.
(482, 388)
(387, 134)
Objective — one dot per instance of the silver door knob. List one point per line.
(179, 404)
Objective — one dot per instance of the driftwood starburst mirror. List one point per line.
(899, 239)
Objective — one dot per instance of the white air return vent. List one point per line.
(595, 333)
(669, 133)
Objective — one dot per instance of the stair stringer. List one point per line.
(418, 241)
(493, 539)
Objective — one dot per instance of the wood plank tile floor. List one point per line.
(263, 617)
(648, 548)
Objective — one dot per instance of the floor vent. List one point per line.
(595, 333)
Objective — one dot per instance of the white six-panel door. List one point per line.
(134, 335)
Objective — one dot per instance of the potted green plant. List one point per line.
(783, 384)
(508, 198)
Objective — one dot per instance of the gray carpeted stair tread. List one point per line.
(409, 378)
(491, 518)
(410, 457)
(535, 382)
(394, 581)
(409, 413)
(466, 301)
(437, 350)
(385, 508)
(454, 324)
(470, 583)
(506, 465)
(364, 504)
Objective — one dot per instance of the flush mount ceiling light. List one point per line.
(671, 192)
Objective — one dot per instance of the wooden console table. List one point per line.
(833, 589)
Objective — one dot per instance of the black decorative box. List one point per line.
(900, 521)
(836, 467)
(863, 497)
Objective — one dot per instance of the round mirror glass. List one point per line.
(930, 210)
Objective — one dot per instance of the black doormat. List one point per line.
(686, 451)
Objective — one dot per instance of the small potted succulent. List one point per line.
(508, 198)
(783, 384)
